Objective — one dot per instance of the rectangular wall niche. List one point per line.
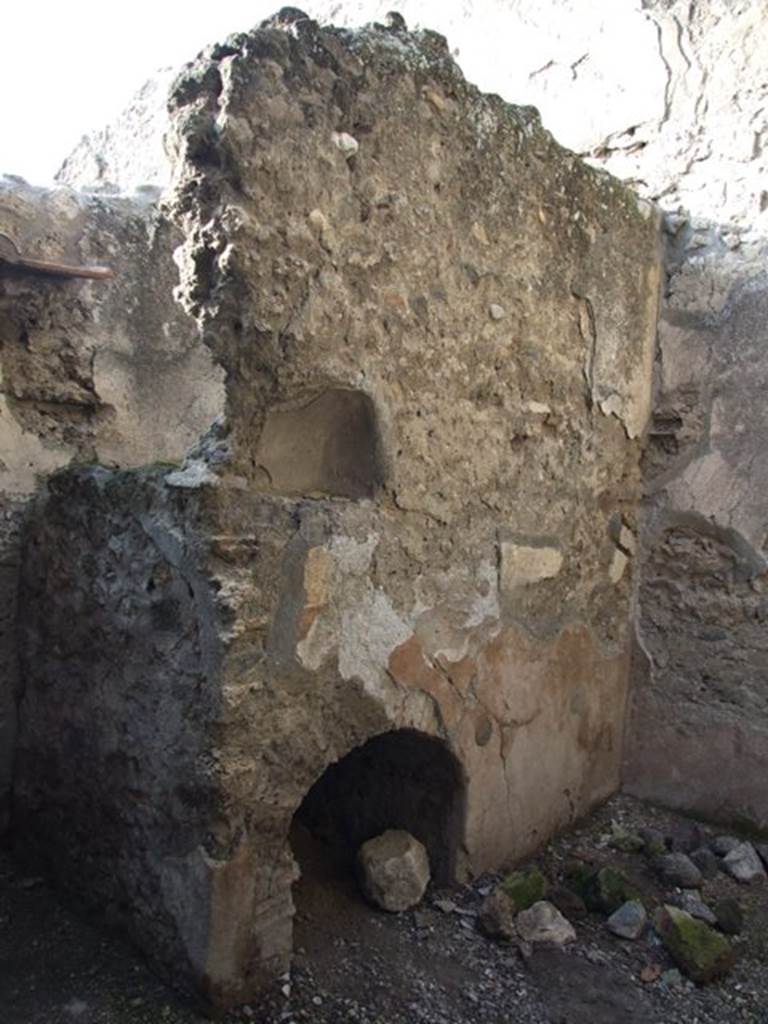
(326, 446)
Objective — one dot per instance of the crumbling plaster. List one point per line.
(671, 97)
(90, 371)
(352, 216)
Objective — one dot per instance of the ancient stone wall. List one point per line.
(90, 371)
(116, 775)
(670, 96)
(698, 734)
(436, 328)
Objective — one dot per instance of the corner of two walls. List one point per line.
(665, 95)
(697, 733)
(697, 736)
(697, 728)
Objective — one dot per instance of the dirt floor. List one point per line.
(426, 966)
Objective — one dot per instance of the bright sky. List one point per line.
(68, 67)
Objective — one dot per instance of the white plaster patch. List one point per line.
(370, 630)
(611, 406)
(522, 564)
(617, 567)
(319, 643)
(627, 540)
(353, 557)
(195, 474)
(346, 143)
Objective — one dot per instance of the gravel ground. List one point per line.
(427, 966)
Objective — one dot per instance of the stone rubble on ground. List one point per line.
(678, 869)
(729, 916)
(722, 845)
(701, 952)
(436, 966)
(653, 840)
(394, 870)
(744, 864)
(525, 888)
(692, 903)
(497, 916)
(706, 861)
(629, 921)
(543, 922)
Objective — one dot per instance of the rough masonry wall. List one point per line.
(358, 217)
(671, 96)
(116, 776)
(413, 283)
(699, 728)
(113, 372)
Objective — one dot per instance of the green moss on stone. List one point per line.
(656, 848)
(524, 888)
(603, 890)
(699, 951)
(627, 842)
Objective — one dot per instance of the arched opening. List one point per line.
(326, 446)
(402, 779)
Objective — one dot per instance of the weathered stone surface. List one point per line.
(698, 950)
(11, 514)
(604, 890)
(729, 915)
(706, 861)
(115, 780)
(496, 918)
(568, 902)
(524, 888)
(678, 869)
(685, 838)
(629, 921)
(393, 870)
(743, 864)
(698, 737)
(345, 553)
(654, 844)
(722, 845)
(522, 564)
(632, 86)
(543, 922)
(110, 371)
(692, 903)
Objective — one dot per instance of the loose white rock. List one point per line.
(543, 922)
(346, 143)
(743, 864)
(394, 870)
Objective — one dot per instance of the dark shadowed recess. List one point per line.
(401, 779)
(327, 447)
